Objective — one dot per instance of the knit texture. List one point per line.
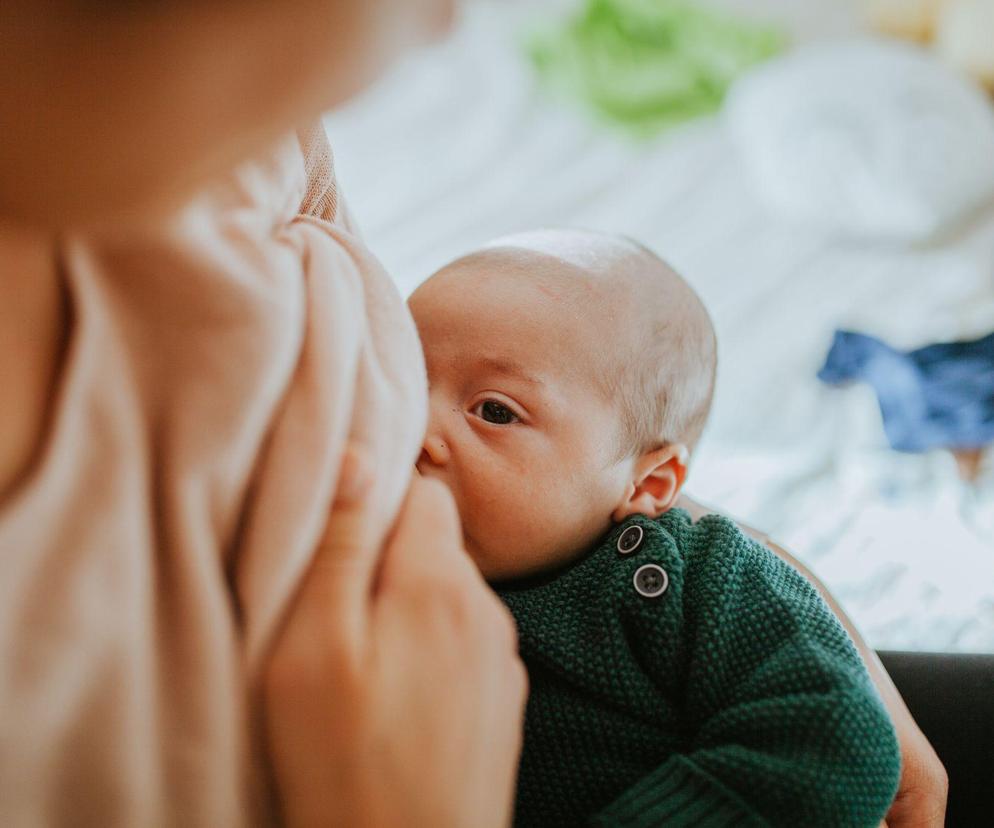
(734, 698)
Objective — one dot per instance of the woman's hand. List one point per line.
(924, 786)
(922, 790)
(395, 695)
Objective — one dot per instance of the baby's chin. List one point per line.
(500, 567)
(492, 568)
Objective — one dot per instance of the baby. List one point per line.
(681, 673)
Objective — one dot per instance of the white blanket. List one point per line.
(459, 145)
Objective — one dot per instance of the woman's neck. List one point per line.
(33, 328)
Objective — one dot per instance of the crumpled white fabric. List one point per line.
(865, 137)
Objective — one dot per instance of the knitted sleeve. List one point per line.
(783, 724)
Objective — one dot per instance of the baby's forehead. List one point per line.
(537, 308)
(614, 288)
(550, 313)
(549, 265)
(492, 280)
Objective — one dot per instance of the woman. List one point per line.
(191, 387)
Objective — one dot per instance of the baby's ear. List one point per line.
(656, 482)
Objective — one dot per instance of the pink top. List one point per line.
(216, 370)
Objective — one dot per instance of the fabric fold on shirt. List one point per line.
(218, 367)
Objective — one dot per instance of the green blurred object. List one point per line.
(650, 64)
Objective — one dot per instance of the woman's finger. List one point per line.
(336, 591)
(427, 540)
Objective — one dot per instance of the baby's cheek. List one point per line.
(527, 530)
(504, 509)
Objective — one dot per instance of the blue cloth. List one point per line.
(939, 396)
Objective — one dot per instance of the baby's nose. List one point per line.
(434, 452)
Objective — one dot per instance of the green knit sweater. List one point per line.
(733, 697)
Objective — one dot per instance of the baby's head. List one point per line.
(570, 375)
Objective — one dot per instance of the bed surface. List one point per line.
(458, 145)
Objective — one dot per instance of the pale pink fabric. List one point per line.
(216, 371)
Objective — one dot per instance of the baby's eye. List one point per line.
(494, 412)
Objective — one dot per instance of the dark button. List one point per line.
(630, 540)
(651, 581)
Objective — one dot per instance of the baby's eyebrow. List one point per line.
(508, 368)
